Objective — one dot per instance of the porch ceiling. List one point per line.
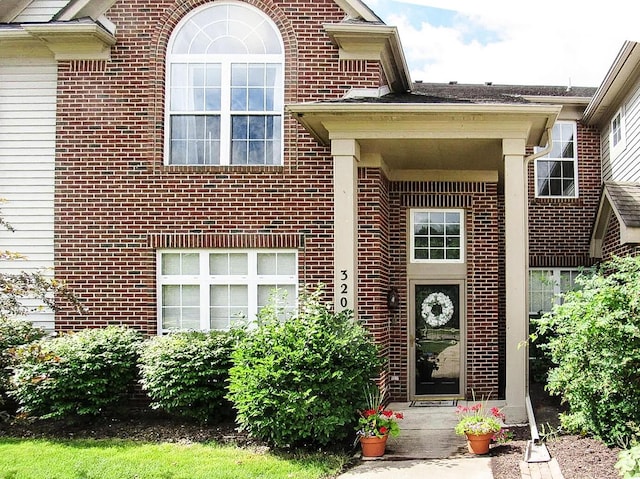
(434, 154)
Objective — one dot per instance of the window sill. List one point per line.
(222, 169)
(556, 200)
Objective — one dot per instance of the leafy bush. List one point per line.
(301, 380)
(628, 464)
(595, 343)
(78, 373)
(13, 333)
(186, 373)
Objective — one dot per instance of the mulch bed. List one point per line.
(579, 457)
(143, 426)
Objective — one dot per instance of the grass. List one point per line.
(119, 459)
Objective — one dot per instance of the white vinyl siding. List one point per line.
(41, 11)
(27, 163)
(624, 165)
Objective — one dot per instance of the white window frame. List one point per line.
(225, 113)
(412, 238)
(555, 283)
(548, 158)
(204, 280)
(617, 134)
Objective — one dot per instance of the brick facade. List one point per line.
(114, 195)
(481, 203)
(116, 202)
(611, 245)
(560, 229)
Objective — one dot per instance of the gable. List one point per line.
(622, 200)
(44, 11)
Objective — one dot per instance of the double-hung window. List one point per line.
(617, 136)
(557, 173)
(225, 88)
(213, 289)
(546, 287)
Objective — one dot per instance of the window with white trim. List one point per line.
(556, 173)
(212, 289)
(546, 287)
(437, 236)
(617, 135)
(225, 88)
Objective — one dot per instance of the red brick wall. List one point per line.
(560, 229)
(114, 196)
(481, 203)
(611, 245)
(374, 261)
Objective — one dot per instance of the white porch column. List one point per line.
(517, 274)
(346, 154)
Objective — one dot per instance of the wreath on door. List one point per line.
(445, 305)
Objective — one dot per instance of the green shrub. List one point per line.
(76, 374)
(186, 373)
(628, 464)
(13, 333)
(595, 344)
(301, 380)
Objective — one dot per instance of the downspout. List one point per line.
(546, 150)
(534, 451)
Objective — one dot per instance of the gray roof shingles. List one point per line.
(474, 94)
(625, 198)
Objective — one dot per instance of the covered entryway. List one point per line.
(394, 160)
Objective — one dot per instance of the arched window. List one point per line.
(225, 88)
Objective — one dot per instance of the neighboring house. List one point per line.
(615, 111)
(177, 160)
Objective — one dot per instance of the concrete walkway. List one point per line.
(426, 447)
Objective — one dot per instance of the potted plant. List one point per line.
(480, 425)
(375, 425)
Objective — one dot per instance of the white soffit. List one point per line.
(358, 10)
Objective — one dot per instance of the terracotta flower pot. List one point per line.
(373, 446)
(479, 443)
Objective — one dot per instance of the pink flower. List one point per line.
(497, 413)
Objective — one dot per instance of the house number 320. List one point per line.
(344, 289)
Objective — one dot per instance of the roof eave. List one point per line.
(67, 41)
(313, 115)
(93, 9)
(624, 70)
(10, 9)
(558, 100)
(358, 10)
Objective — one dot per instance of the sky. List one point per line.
(541, 42)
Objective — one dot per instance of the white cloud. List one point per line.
(549, 42)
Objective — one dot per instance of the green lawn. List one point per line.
(117, 459)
